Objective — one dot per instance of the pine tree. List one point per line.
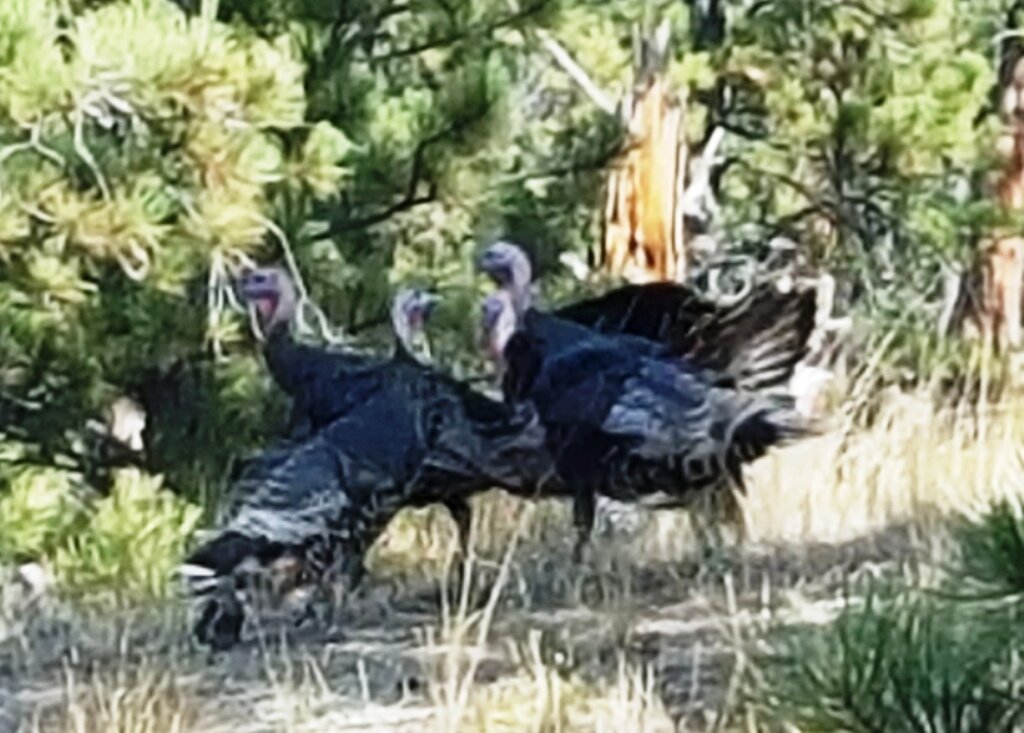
(141, 151)
(149, 147)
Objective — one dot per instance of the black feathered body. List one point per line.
(419, 438)
(638, 423)
(649, 389)
(323, 384)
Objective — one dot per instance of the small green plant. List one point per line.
(990, 558)
(900, 661)
(133, 540)
(38, 509)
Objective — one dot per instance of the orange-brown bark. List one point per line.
(1002, 283)
(643, 238)
(1002, 256)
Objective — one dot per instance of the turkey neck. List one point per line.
(284, 357)
(548, 328)
(406, 348)
(519, 293)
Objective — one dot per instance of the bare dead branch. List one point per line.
(587, 85)
(698, 198)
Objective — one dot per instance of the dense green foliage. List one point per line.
(148, 147)
(128, 542)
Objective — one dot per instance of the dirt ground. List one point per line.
(669, 638)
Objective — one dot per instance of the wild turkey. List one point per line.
(325, 375)
(321, 501)
(421, 437)
(323, 384)
(626, 417)
(754, 343)
(410, 311)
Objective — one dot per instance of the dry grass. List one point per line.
(137, 696)
(539, 699)
(914, 464)
(641, 639)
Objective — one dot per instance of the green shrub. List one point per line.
(38, 509)
(901, 661)
(133, 540)
(990, 557)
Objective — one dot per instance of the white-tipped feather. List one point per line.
(187, 570)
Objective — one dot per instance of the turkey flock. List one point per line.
(648, 394)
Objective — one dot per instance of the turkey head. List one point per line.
(509, 267)
(410, 311)
(497, 324)
(271, 292)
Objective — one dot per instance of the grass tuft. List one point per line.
(133, 697)
(990, 562)
(38, 509)
(894, 660)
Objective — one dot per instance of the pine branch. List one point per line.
(408, 201)
(598, 162)
(338, 39)
(479, 29)
(417, 176)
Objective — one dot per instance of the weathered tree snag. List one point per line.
(643, 238)
(1002, 255)
(1002, 268)
(655, 187)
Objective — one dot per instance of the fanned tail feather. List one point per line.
(211, 575)
(222, 556)
(758, 342)
(654, 311)
(769, 422)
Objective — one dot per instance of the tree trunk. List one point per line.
(656, 188)
(1002, 268)
(643, 236)
(1002, 255)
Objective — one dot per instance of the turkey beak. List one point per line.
(430, 301)
(239, 285)
(497, 267)
(248, 290)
